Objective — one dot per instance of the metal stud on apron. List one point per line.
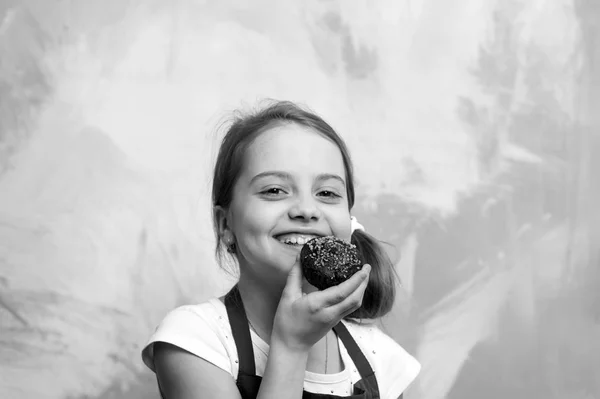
(248, 382)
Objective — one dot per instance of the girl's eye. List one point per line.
(330, 194)
(273, 191)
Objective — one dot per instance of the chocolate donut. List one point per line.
(328, 261)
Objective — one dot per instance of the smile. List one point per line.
(295, 239)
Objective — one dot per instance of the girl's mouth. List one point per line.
(295, 239)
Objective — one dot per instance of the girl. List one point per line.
(282, 177)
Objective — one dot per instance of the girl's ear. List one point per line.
(223, 226)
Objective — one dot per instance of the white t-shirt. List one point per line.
(204, 331)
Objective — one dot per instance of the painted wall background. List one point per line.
(473, 125)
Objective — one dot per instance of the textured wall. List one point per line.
(473, 125)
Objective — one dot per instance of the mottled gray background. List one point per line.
(474, 125)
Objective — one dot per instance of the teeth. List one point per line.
(296, 239)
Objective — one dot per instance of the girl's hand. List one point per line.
(302, 320)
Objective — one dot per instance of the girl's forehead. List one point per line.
(293, 147)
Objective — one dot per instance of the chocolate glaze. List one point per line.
(329, 261)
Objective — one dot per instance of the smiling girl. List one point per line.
(282, 177)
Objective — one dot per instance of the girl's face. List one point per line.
(291, 189)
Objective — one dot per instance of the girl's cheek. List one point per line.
(344, 232)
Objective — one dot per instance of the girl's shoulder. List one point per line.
(394, 367)
(201, 329)
(210, 310)
(195, 318)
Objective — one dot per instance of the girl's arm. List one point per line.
(284, 374)
(183, 375)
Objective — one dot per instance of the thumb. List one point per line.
(293, 285)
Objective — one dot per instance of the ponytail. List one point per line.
(381, 289)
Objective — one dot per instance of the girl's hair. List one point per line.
(381, 289)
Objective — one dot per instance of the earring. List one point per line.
(231, 248)
(230, 244)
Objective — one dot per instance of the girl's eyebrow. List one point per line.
(273, 173)
(287, 176)
(328, 176)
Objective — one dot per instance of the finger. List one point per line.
(351, 303)
(337, 294)
(293, 285)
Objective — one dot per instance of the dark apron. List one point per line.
(248, 382)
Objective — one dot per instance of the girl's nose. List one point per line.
(305, 209)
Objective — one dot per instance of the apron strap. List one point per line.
(240, 331)
(362, 364)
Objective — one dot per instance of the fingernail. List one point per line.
(367, 268)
